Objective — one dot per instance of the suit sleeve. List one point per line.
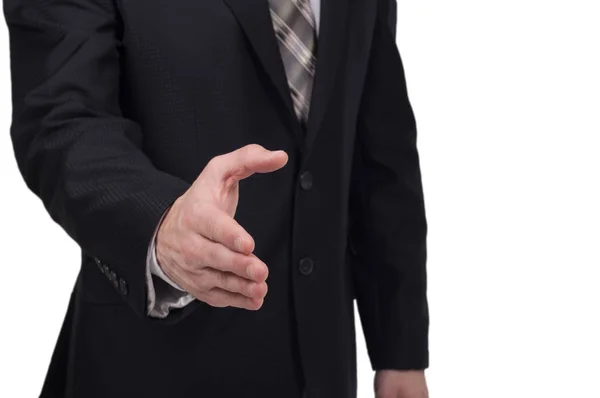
(73, 146)
(388, 225)
(393, 16)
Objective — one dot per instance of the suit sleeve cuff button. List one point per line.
(123, 287)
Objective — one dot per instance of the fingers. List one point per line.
(218, 226)
(213, 251)
(203, 253)
(209, 272)
(221, 298)
(244, 162)
(223, 259)
(235, 284)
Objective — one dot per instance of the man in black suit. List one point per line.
(204, 152)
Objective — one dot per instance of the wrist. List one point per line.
(159, 239)
(159, 259)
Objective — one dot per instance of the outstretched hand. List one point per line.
(202, 248)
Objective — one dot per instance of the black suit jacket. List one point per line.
(119, 105)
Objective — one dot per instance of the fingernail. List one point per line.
(238, 243)
(250, 271)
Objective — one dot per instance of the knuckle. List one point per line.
(243, 303)
(203, 283)
(187, 254)
(192, 288)
(228, 232)
(237, 285)
(223, 280)
(214, 162)
(240, 263)
(253, 148)
(213, 300)
(246, 288)
(241, 286)
(212, 255)
(227, 301)
(248, 152)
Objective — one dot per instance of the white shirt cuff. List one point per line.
(163, 294)
(155, 267)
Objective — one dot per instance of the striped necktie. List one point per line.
(294, 25)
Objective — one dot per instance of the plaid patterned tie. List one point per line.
(294, 26)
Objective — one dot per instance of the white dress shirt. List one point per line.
(163, 293)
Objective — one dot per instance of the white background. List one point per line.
(507, 97)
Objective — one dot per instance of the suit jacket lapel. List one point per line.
(329, 49)
(255, 20)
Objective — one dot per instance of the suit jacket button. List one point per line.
(306, 180)
(123, 287)
(307, 266)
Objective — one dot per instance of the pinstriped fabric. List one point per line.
(294, 26)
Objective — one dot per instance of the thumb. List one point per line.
(250, 159)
